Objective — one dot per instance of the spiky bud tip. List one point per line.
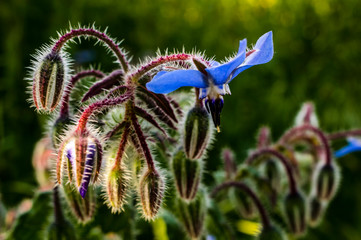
(296, 213)
(116, 187)
(151, 192)
(326, 180)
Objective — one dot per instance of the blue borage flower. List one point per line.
(213, 80)
(354, 145)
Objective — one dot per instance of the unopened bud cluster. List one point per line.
(125, 144)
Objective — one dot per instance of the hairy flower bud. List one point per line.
(80, 157)
(151, 191)
(116, 187)
(272, 233)
(273, 174)
(187, 175)
(192, 214)
(196, 132)
(243, 203)
(48, 82)
(295, 213)
(316, 211)
(326, 180)
(82, 209)
(61, 231)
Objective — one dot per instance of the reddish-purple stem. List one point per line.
(97, 105)
(142, 142)
(122, 144)
(297, 131)
(97, 34)
(64, 110)
(161, 60)
(269, 151)
(344, 134)
(262, 211)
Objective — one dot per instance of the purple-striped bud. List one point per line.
(196, 132)
(295, 213)
(79, 160)
(316, 211)
(326, 180)
(272, 233)
(187, 175)
(192, 214)
(82, 209)
(151, 192)
(116, 187)
(49, 82)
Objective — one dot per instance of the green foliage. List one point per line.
(317, 58)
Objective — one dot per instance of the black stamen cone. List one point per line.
(214, 107)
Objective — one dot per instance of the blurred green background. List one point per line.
(317, 57)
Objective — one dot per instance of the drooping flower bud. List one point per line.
(326, 180)
(116, 187)
(82, 209)
(316, 211)
(80, 157)
(196, 132)
(272, 233)
(273, 174)
(49, 82)
(151, 192)
(295, 212)
(61, 231)
(192, 214)
(187, 175)
(243, 203)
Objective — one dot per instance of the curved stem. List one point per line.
(98, 35)
(159, 61)
(344, 134)
(280, 157)
(64, 110)
(122, 144)
(97, 105)
(143, 144)
(262, 211)
(296, 131)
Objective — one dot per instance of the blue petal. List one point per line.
(263, 54)
(220, 74)
(346, 150)
(166, 82)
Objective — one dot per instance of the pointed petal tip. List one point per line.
(82, 192)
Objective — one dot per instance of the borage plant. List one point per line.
(122, 140)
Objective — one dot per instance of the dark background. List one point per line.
(317, 57)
